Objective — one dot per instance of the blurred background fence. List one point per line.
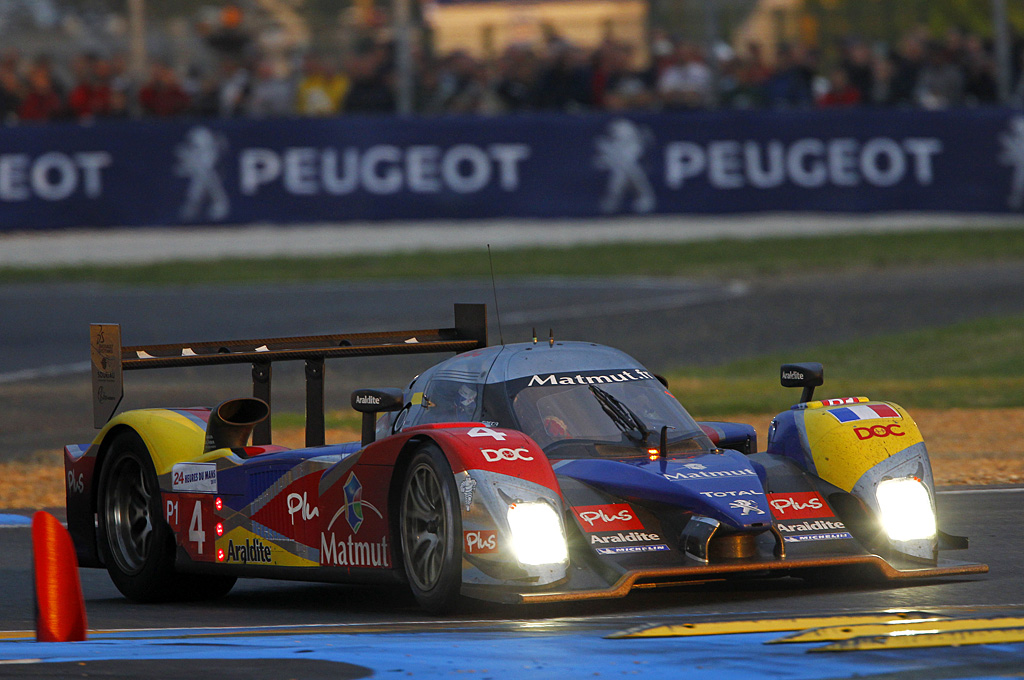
(167, 112)
(539, 165)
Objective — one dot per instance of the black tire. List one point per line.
(430, 527)
(137, 544)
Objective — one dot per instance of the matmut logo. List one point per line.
(614, 517)
(580, 379)
(798, 505)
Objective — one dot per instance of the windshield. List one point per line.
(629, 412)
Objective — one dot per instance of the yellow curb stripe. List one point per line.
(836, 633)
(923, 640)
(765, 625)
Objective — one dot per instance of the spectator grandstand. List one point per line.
(227, 72)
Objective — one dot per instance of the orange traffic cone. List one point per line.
(60, 607)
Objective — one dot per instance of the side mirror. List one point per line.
(806, 375)
(370, 402)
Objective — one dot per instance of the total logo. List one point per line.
(891, 430)
(616, 517)
(480, 542)
(727, 494)
(798, 505)
(494, 455)
(297, 503)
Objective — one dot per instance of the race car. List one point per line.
(518, 473)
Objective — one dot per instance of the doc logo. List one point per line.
(480, 542)
(494, 455)
(891, 430)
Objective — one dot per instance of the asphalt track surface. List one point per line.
(665, 323)
(346, 631)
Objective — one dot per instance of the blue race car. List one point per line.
(531, 472)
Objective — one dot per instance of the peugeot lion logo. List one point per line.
(619, 152)
(197, 160)
(1012, 154)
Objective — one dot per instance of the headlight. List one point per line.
(906, 509)
(537, 536)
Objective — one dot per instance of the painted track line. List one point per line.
(44, 372)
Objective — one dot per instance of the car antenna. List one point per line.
(494, 291)
(551, 337)
(535, 335)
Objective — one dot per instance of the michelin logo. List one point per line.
(803, 538)
(618, 550)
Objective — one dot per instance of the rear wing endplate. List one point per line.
(110, 360)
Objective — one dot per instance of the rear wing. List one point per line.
(110, 360)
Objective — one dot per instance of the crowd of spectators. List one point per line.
(921, 71)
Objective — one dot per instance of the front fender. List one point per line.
(495, 469)
(854, 445)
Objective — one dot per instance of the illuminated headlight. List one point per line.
(537, 536)
(906, 509)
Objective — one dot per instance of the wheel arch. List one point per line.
(168, 436)
(405, 456)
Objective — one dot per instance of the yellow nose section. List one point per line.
(847, 441)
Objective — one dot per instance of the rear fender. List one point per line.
(170, 436)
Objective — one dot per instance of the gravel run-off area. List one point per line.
(967, 447)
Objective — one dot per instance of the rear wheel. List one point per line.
(138, 546)
(430, 525)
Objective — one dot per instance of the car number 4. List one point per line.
(487, 432)
(195, 528)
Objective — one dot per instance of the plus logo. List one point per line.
(297, 503)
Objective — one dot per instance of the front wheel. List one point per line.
(138, 546)
(430, 525)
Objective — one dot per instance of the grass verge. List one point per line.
(730, 256)
(976, 364)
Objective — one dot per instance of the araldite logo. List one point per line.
(617, 517)
(480, 542)
(798, 505)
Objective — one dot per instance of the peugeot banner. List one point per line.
(121, 173)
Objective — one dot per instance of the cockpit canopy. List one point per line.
(565, 395)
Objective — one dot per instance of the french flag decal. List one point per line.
(848, 414)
